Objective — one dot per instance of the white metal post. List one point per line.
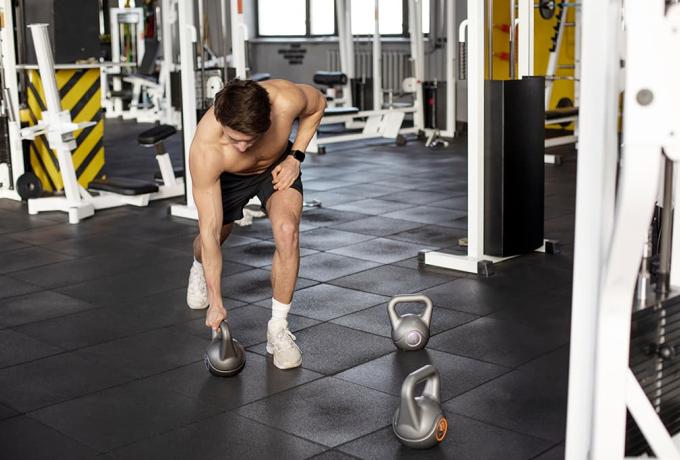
(450, 68)
(10, 79)
(475, 79)
(238, 44)
(346, 44)
(187, 38)
(168, 17)
(418, 56)
(513, 39)
(554, 57)
(475, 128)
(595, 191)
(525, 34)
(377, 61)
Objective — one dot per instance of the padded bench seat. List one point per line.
(336, 111)
(561, 113)
(330, 78)
(156, 134)
(123, 186)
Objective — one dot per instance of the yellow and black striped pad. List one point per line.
(80, 93)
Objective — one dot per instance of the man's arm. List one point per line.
(307, 104)
(310, 116)
(208, 198)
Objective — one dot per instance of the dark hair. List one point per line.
(243, 106)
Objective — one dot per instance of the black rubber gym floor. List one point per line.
(100, 356)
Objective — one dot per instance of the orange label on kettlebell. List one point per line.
(442, 426)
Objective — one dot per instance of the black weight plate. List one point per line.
(29, 186)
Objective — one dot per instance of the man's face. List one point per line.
(240, 141)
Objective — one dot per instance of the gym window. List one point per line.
(277, 18)
(310, 18)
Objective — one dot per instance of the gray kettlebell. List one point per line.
(410, 332)
(225, 357)
(419, 421)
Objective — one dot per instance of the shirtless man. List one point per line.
(241, 150)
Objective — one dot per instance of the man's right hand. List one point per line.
(215, 316)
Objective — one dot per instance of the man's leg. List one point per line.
(284, 209)
(197, 291)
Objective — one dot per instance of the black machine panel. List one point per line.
(513, 166)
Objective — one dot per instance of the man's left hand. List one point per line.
(285, 173)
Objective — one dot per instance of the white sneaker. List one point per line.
(281, 344)
(197, 292)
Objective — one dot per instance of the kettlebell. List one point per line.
(225, 357)
(419, 421)
(410, 332)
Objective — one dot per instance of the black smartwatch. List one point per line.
(299, 155)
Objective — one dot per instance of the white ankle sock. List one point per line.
(279, 311)
(197, 264)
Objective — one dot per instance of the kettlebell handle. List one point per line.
(408, 409)
(226, 346)
(222, 331)
(426, 315)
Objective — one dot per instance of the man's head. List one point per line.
(242, 108)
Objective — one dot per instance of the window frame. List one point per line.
(308, 35)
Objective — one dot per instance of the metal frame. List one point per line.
(473, 261)
(56, 124)
(386, 122)
(187, 39)
(526, 27)
(611, 228)
(114, 105)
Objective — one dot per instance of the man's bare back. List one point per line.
(214, 144)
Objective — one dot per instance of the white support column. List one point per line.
(554, 57)
(475, 80)
(525, 37)
(377, 61)
(475, 128)
(344, 18)
(187, 38)
(415, 14)
(345, 41)
(167, 19)
(9, 71)
(451, 41)
(595, 198)
(238, 43)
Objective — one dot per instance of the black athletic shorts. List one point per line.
(238, 189)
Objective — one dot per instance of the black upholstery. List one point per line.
(156, 134)
(561, 113)
(123, 186)
(330, 111)
(330, 78)
(148, 65)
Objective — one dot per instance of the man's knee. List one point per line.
(286, 235)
